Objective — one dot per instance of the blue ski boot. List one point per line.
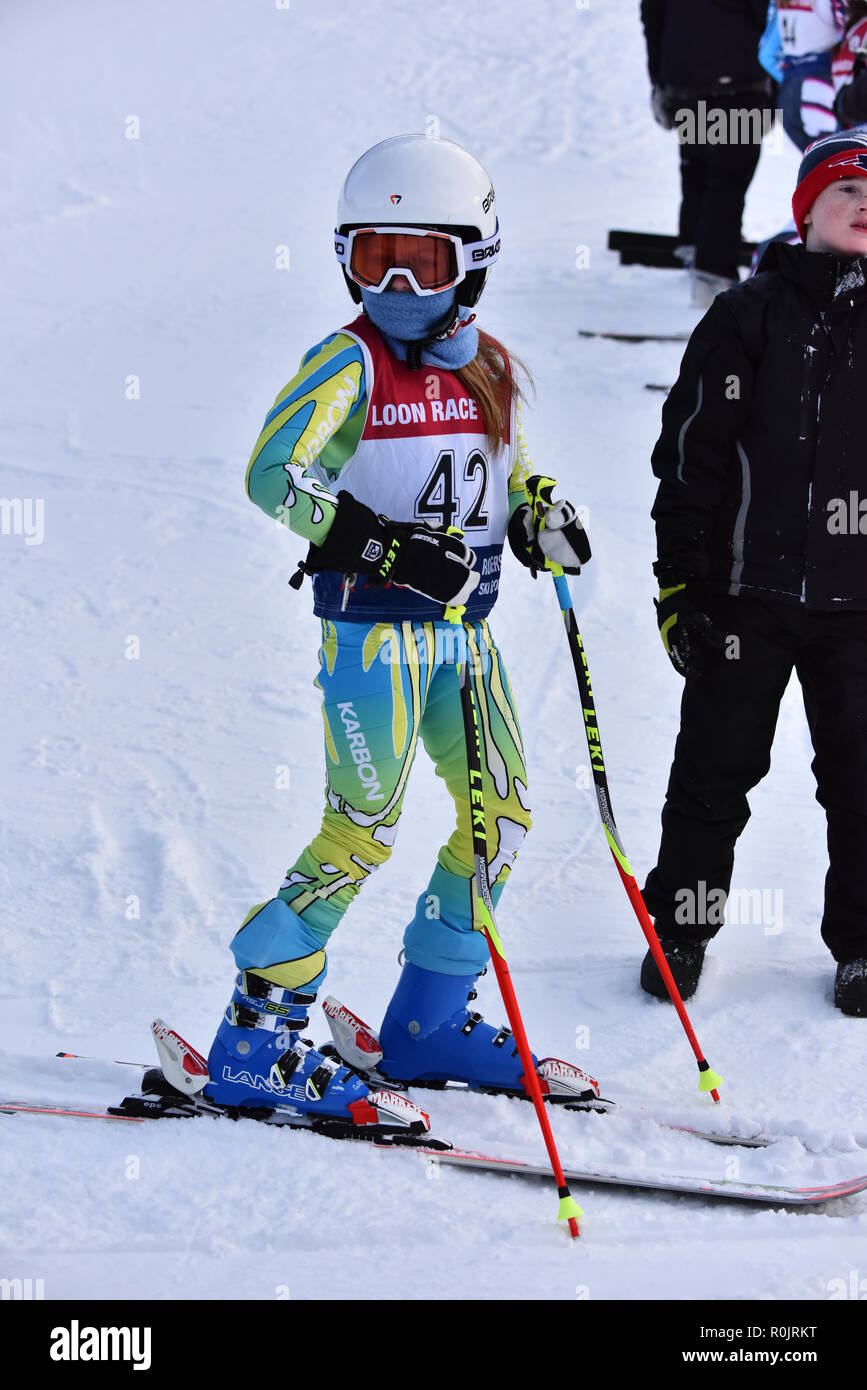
(259, 1057)
(429, 1037)
(260, 1060)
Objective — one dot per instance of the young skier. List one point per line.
(397, 427)
(762, 566)
(809, 32)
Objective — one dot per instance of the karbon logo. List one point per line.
(367, 773)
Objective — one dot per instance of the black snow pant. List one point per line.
(714, 181)
(723, 749)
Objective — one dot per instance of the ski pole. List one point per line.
(115, 1061)
(483, 920)
(709, 1080)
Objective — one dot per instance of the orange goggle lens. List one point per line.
(431, 256)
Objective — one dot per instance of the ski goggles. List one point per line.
(431, 261)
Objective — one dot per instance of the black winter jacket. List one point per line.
(850, 105)
(763, 447)
(692, 45)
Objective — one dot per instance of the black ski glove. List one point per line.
(562, 540)
(411, 554)
(687, 633)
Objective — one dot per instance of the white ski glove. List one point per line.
(543, 533)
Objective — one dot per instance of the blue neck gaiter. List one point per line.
(403, 317)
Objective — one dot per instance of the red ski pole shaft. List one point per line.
(483, 920)
(531, 1080)
(646, 924)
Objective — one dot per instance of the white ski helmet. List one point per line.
(422, 181)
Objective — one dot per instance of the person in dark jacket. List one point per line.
(762, 566)
(702, 57)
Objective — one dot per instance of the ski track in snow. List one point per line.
(155, 778)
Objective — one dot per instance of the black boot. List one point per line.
(685, 959)
(850, 988)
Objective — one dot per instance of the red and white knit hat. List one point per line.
(842, 155)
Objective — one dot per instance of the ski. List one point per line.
(655, 257)
(615, 337)
(659, 249)
(140, 1109)
(600, 1106)
(9, 1106)
(766, 1194)
(357, 1045)
(708, 1136)
(103, 1061)
(619, 237)
(145, 1107)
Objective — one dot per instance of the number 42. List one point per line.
(438, 498)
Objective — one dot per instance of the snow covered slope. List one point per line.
(158, 671)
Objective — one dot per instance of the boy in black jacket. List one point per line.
(762, 565)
